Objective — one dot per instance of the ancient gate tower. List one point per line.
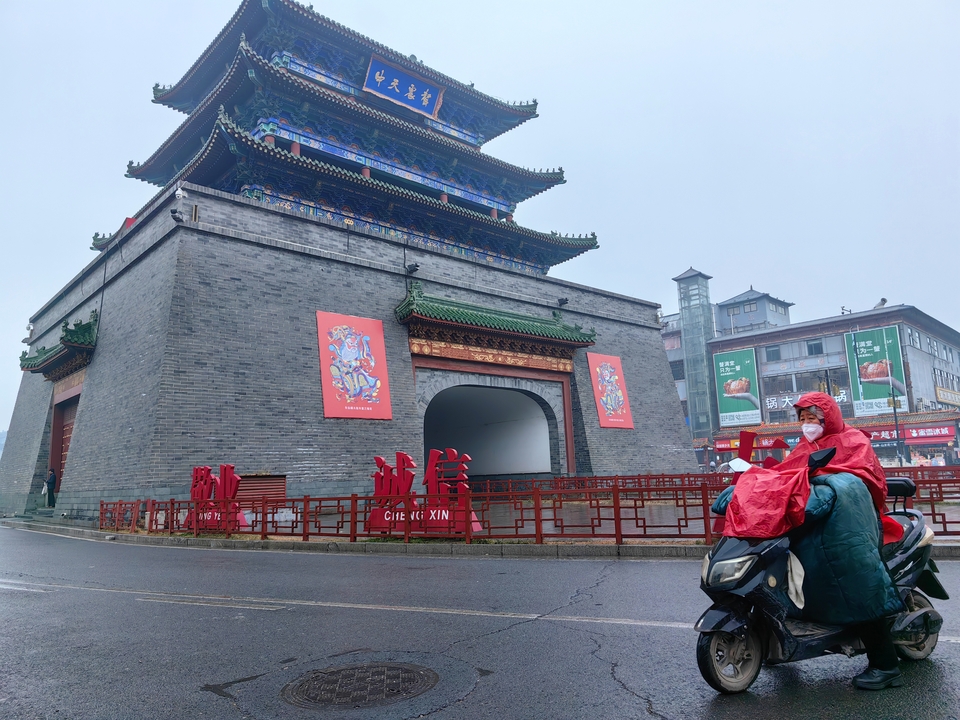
(332, 271)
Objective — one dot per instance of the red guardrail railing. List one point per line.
(621, 508)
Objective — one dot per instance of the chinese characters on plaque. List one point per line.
(402, 87)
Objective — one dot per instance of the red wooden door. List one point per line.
(69, 415)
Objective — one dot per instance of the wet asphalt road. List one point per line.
(102, 630)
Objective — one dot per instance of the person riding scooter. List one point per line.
(838, 544)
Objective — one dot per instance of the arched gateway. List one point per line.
(506, 425)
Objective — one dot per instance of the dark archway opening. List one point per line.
(507, 433)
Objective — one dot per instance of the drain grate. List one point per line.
(359, 686)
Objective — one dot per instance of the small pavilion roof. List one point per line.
(81, 338)
(752, 294)
(440, 310)
(691, 273)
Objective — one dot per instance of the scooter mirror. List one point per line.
(821, 458)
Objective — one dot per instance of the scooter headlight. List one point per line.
(727, 571)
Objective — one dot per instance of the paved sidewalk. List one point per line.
(945, 548)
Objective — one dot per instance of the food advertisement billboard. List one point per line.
(876, 371)
(737, 388)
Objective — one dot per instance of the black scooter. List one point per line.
(747, 624)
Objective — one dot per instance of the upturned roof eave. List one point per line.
(224, 125)
(246, 55)
(171, 98)
(176, 96)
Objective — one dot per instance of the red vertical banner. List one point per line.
(609, 391)
(353, 367)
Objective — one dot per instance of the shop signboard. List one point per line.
(876, 371)
(737, 388)
(761, 443)
(948, 397)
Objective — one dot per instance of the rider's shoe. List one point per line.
(876, 679)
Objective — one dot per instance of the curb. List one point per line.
(948, 550)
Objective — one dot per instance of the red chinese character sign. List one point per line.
(206, 489)
(443, 511)
(353, 367)
(609, 391)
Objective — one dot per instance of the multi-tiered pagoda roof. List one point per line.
(291, 108)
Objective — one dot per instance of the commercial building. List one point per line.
(894, 371)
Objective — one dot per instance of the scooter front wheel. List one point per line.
(728, 663)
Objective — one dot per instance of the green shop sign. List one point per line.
(876, 371)
(737, 388)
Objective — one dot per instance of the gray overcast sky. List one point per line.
(810, 149)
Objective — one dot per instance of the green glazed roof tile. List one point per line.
(416, 304)
(81, 335)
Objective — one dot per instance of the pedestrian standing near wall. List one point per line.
(51, 488)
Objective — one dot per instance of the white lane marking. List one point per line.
(619, 621)
(211, 604)
(271, 604)
(4, 586)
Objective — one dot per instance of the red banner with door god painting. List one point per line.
(353, 367)
(610, 391)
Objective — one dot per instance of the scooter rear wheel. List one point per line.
(730, 664)
(921, 651)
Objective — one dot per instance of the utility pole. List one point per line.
(896, 423)
(893, 399)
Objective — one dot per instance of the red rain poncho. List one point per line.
(767, 502)
(855, 454)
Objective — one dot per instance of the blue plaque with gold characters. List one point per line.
(403, 87)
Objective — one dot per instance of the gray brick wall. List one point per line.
(208, 353)
(26, 453)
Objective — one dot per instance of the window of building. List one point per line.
(781, 309)
(772, 353)
(734, 310)
(676, 366)
(812, 382)
(814, 347)
(778, 417)
(773, 306)
(749, 307)
(777, 385)
(913, 338)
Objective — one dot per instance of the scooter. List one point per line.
(747, 624)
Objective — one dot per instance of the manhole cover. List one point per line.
(365, 685)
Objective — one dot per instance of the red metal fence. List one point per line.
(619, 509)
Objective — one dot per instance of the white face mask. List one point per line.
(811, 432)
